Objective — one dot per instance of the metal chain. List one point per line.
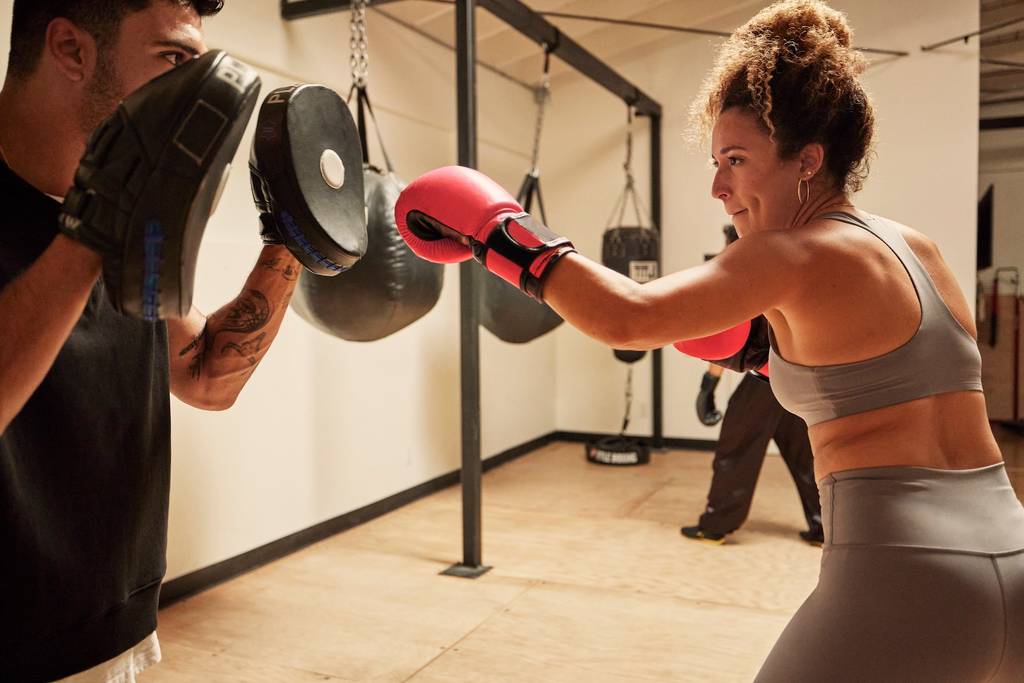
(630, 189)
(541, 95)
(359, 59)
(628, 163)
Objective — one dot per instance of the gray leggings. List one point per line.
(922, 580)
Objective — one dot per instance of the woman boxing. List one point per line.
(872, 343)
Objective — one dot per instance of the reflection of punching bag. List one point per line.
(386, 290)
(633, 252)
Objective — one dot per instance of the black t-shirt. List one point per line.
(84, 476)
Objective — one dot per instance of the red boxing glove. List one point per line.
(717, 346)
(742, 348)
(453, 213)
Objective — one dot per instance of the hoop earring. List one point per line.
(800, 194)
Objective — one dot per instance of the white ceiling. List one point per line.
(504, 48)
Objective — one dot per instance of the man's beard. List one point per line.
(102, 95)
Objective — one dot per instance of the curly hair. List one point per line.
(792, 66)
(101, 18)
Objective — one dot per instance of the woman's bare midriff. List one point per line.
(946, 431)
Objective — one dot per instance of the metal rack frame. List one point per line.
(535, 27)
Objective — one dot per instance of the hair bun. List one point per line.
(801, 27)
(792, 66)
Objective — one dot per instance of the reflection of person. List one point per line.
(922, 575)
(753, 418)
(85, 405)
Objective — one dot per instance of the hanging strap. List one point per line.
(362, 107)
(527, 191)
(531, 183)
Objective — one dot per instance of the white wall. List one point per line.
(925, 174)
(327, 426)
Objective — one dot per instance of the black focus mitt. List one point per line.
(151, 176)
(306, 168)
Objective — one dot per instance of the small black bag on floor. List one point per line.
(618, 450)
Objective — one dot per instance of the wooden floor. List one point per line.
(591, 583)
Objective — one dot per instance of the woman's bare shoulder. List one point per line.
(922, 245)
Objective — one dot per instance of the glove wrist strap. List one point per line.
(521, 250)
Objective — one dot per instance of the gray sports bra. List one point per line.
(940, 357)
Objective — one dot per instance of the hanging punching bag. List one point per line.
(632, 251)
(504, 311)
(389, 288)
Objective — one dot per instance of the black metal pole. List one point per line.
(1003, 123)
(967, 36)
(656, 366)
(469, 314)
(519, 16)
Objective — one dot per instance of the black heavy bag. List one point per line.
(505, 311)
(632, 251)
(511, 316)
(390, 287)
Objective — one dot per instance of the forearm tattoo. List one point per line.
(198, 344)
(249, 349)
(288, 270)
(249, 313)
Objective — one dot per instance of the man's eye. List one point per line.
(734, 161)
(175, 58)
(713, 163)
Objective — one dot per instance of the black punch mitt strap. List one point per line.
(151, 176)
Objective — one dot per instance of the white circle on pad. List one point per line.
(332, 169)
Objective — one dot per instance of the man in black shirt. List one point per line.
(84, 404)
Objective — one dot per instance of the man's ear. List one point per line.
(71, 49)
